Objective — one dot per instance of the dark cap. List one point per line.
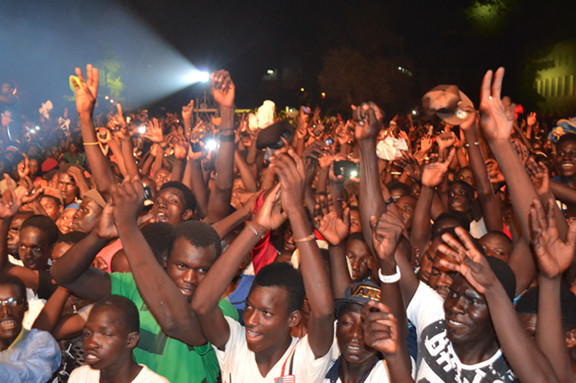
(449, 104)
(271, 136)
(358, 293)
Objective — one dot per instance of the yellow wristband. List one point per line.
(90, 143)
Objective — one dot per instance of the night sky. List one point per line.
(442, 41)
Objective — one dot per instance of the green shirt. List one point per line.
(174, 360)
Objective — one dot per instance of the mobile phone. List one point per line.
(329, 141)
(210, 143)
(147, 192)
(346, 169)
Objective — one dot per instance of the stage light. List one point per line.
(142, 129)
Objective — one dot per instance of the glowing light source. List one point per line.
(198, 76)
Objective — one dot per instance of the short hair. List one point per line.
(465, 185)
(568, 137)
(72, 237)
(282, 274)
(504, 274)
(189, 199)
(45, 224)
(500, 234)
(198, 234)
(125, 307)
(160, 236)
(461, 218)
(10, 280)
(528, 304)
(356, 237)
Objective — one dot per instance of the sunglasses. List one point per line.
(11, 302)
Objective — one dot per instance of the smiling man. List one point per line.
(25, 356)
(110, 335)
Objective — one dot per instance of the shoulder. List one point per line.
(146, 375)
(84, 374)
(228, 309)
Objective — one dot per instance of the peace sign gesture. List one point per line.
(86, 89)
(496, 119)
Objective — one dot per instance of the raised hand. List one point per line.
(106, 228)
(270, 216)
(187, 111)
(380, 328)
(446, 140)
(154, 131)
(366, 118)
(496, 119)
(538, 173)
(181, 147)
(433, 174)
(386, 231)
(86, 90)
(409, 164)
(24, 167)
(425, 144)
(553, 254)
(11, 201)
(466, 259)
(291, 171)
(128, 200)
(333, 228)
(222, 88)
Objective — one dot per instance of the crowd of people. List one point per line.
(311, 248)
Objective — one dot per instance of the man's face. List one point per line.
(67, 187)
(459, 199)
(359, 256)
(12, 308)
(14, 233)
(34, 248)
(160, 177)
(355, 226)
(105, 338)
(496, 246)
(406, 207)
(64, 222)
(170, 206)
(566, 159)
(87, 216)
(51, 207)
(266, 318)
(350, 336)
(466, 176)
(427, 260)
(187, 265)
(467, 317)
(440, 278)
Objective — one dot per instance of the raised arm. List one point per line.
(496, 122)
(489, 204)
(223, 91)
(86, 94)
(371, 200)
(335, 229)
(161, 295)
(290, 169)
(73, 269)
(554, 257)
(215, 283)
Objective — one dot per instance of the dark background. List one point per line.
(441, 41)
